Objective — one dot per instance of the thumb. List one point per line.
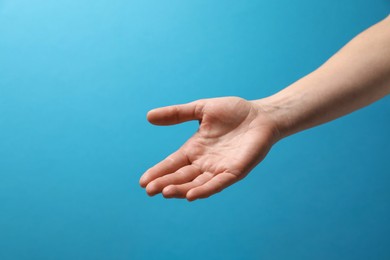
(176, 114)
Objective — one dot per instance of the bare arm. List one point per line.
(354, 77)
(235, 134)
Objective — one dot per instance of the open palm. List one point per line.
(234, 135)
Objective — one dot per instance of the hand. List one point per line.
(233, 137)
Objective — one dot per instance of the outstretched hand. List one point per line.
(234, 135)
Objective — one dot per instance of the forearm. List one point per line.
(356, 76)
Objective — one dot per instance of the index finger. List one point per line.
(169, 165)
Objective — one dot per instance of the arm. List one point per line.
(235, 135)
(356, 76)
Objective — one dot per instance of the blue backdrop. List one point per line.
(76, 80)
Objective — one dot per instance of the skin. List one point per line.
(235, 134)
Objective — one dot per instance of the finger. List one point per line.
(175, 114)
(180, 191)
(183, 175)
(170, 164)
(215, 185)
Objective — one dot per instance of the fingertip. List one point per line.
(190, 196)
(159, 116)
(151, 189)
(149, 115)
(169, 191)
(143, 182)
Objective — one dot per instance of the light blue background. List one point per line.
(76, 80)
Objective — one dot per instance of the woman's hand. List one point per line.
(234, 135)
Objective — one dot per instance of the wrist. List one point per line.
(278, 108)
